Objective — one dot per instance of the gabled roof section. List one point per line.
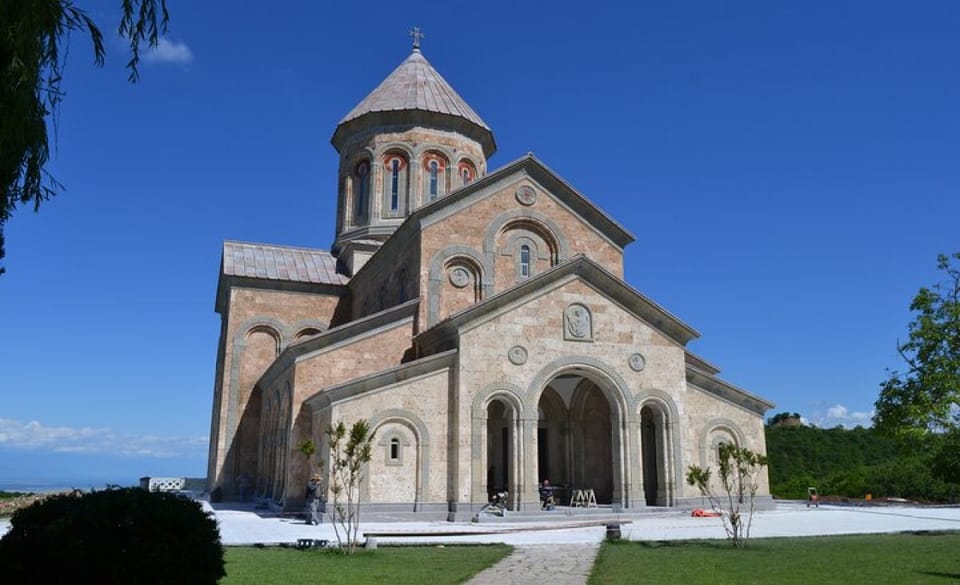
(379, 380)
(532, 167)
(589, 271)
(281, 263)
(415, 86)
(398, 316)
(727, 391)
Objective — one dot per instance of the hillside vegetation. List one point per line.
(848, 463)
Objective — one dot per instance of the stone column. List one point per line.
(634, 486)
(527, 455)
(478, 451)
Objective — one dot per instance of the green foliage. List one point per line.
(785, 418)
(889, 559)
(849, 463)
(408, 565)
(349, 454)
(33, 47)
(925, 400)
(307, 447)
(739, 474)
(116, 536)
(946, 461)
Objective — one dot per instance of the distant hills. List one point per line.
(847, 463)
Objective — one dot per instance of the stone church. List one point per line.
(479, 320)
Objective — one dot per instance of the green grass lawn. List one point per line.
(416, 565)
(868, 559)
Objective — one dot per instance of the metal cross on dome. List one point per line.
(416, 35)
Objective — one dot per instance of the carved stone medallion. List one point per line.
(526, 195)
(517, 355)
(637, 362)
(577, 323)
(459, 276)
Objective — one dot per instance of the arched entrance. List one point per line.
(578, 437)
(500, 472)
(653, 454)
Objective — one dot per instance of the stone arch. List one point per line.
(437, 276)
(421, 435)
(658, 447)
(599, 372)
(614, 434)
(532, 231)
(428, 155)
(258, 335)
(395, 196)
(269, 330)
(543, 224)
(357, 190)
(472, 172)
(394, 146)
(306, 328)
(713, 431)
(490, 470)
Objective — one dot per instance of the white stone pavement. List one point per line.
(246, 526)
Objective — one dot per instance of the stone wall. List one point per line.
(485, 236)
(258, 325)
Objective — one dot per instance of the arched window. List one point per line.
(524, 261)
(466, 171)
(395, 449)
(361, 187)
(434, 179)
(394, 185)
(434, 167)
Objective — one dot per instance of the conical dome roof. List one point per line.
(416, 93)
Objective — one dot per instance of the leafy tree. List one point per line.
(785, 418)
(739, 473)
(33, 48)
(924, 402)
(349, 454)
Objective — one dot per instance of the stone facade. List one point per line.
(479, 321)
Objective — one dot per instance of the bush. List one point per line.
(127, 536)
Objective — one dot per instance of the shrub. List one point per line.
(128, 536)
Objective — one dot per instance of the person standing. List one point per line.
(314, 513)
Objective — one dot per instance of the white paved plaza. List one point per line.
(247, 526)
(789, 519)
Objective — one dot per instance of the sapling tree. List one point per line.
(350, 451)
(739, 473)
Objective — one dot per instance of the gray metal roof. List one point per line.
(281, 263)
(415, 85)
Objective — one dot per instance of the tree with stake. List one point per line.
(739, 470)
(349, 454)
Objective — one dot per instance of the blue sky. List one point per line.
(789, 169)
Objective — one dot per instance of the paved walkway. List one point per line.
(557, 564)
